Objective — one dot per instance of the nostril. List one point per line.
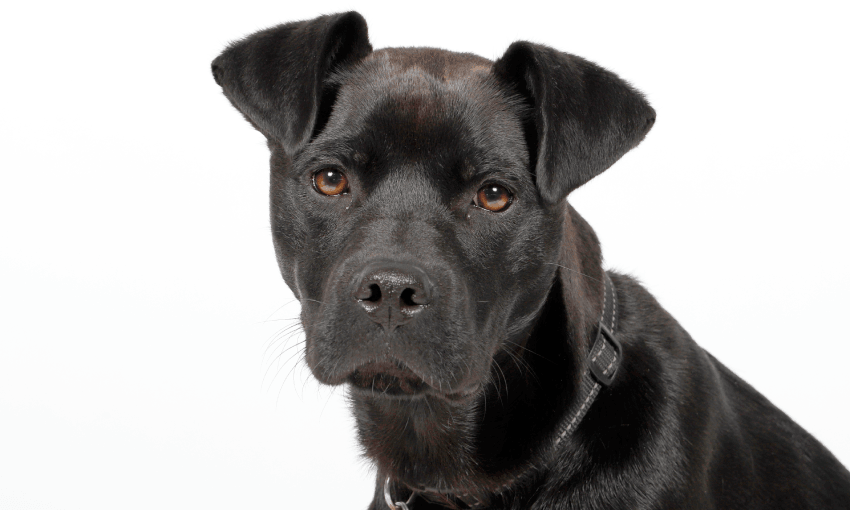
(414, 297)
(407, 297)
(375, 293)
(370, 292)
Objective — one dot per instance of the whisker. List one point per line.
(526, 349)
(278, 309)
(278, 320)
(573, 270)
(330, 395)
(503, 378)
(280, 341)
(283, 383)
(277, 358)
(275, 337)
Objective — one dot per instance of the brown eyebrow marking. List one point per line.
(360, 158)
(467, 170)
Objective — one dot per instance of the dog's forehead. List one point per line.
(410, 98)
(441, 64)
(429, 84)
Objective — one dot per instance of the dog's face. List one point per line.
(417, 203)
(411, 229)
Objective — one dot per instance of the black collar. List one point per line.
(603, 364)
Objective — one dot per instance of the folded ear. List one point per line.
(583, 117)
(276, 77)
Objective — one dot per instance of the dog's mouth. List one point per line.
(393, 379)
(388, 378)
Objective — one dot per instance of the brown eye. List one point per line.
(493, 198)
(330, 182)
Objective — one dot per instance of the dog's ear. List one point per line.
(276, 77)
(583, 118)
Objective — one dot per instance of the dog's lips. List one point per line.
(394, 379)
(389, 378)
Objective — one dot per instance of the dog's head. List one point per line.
(417, 195)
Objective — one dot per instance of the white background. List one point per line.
(141, 310)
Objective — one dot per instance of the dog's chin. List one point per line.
(394, 380)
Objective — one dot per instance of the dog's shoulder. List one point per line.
(678, 405)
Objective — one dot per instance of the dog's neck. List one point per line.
(479, 447)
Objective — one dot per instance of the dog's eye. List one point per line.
(330, 182)
(494, 198)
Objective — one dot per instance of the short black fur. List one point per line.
(458, 393)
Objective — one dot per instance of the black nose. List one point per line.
(392, 293)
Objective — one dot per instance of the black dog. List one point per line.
(419, 215)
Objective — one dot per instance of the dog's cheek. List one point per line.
(322, 279)
(533, 257)
(512, 257)
(328, 233)
(289, 228)
(307, 232)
